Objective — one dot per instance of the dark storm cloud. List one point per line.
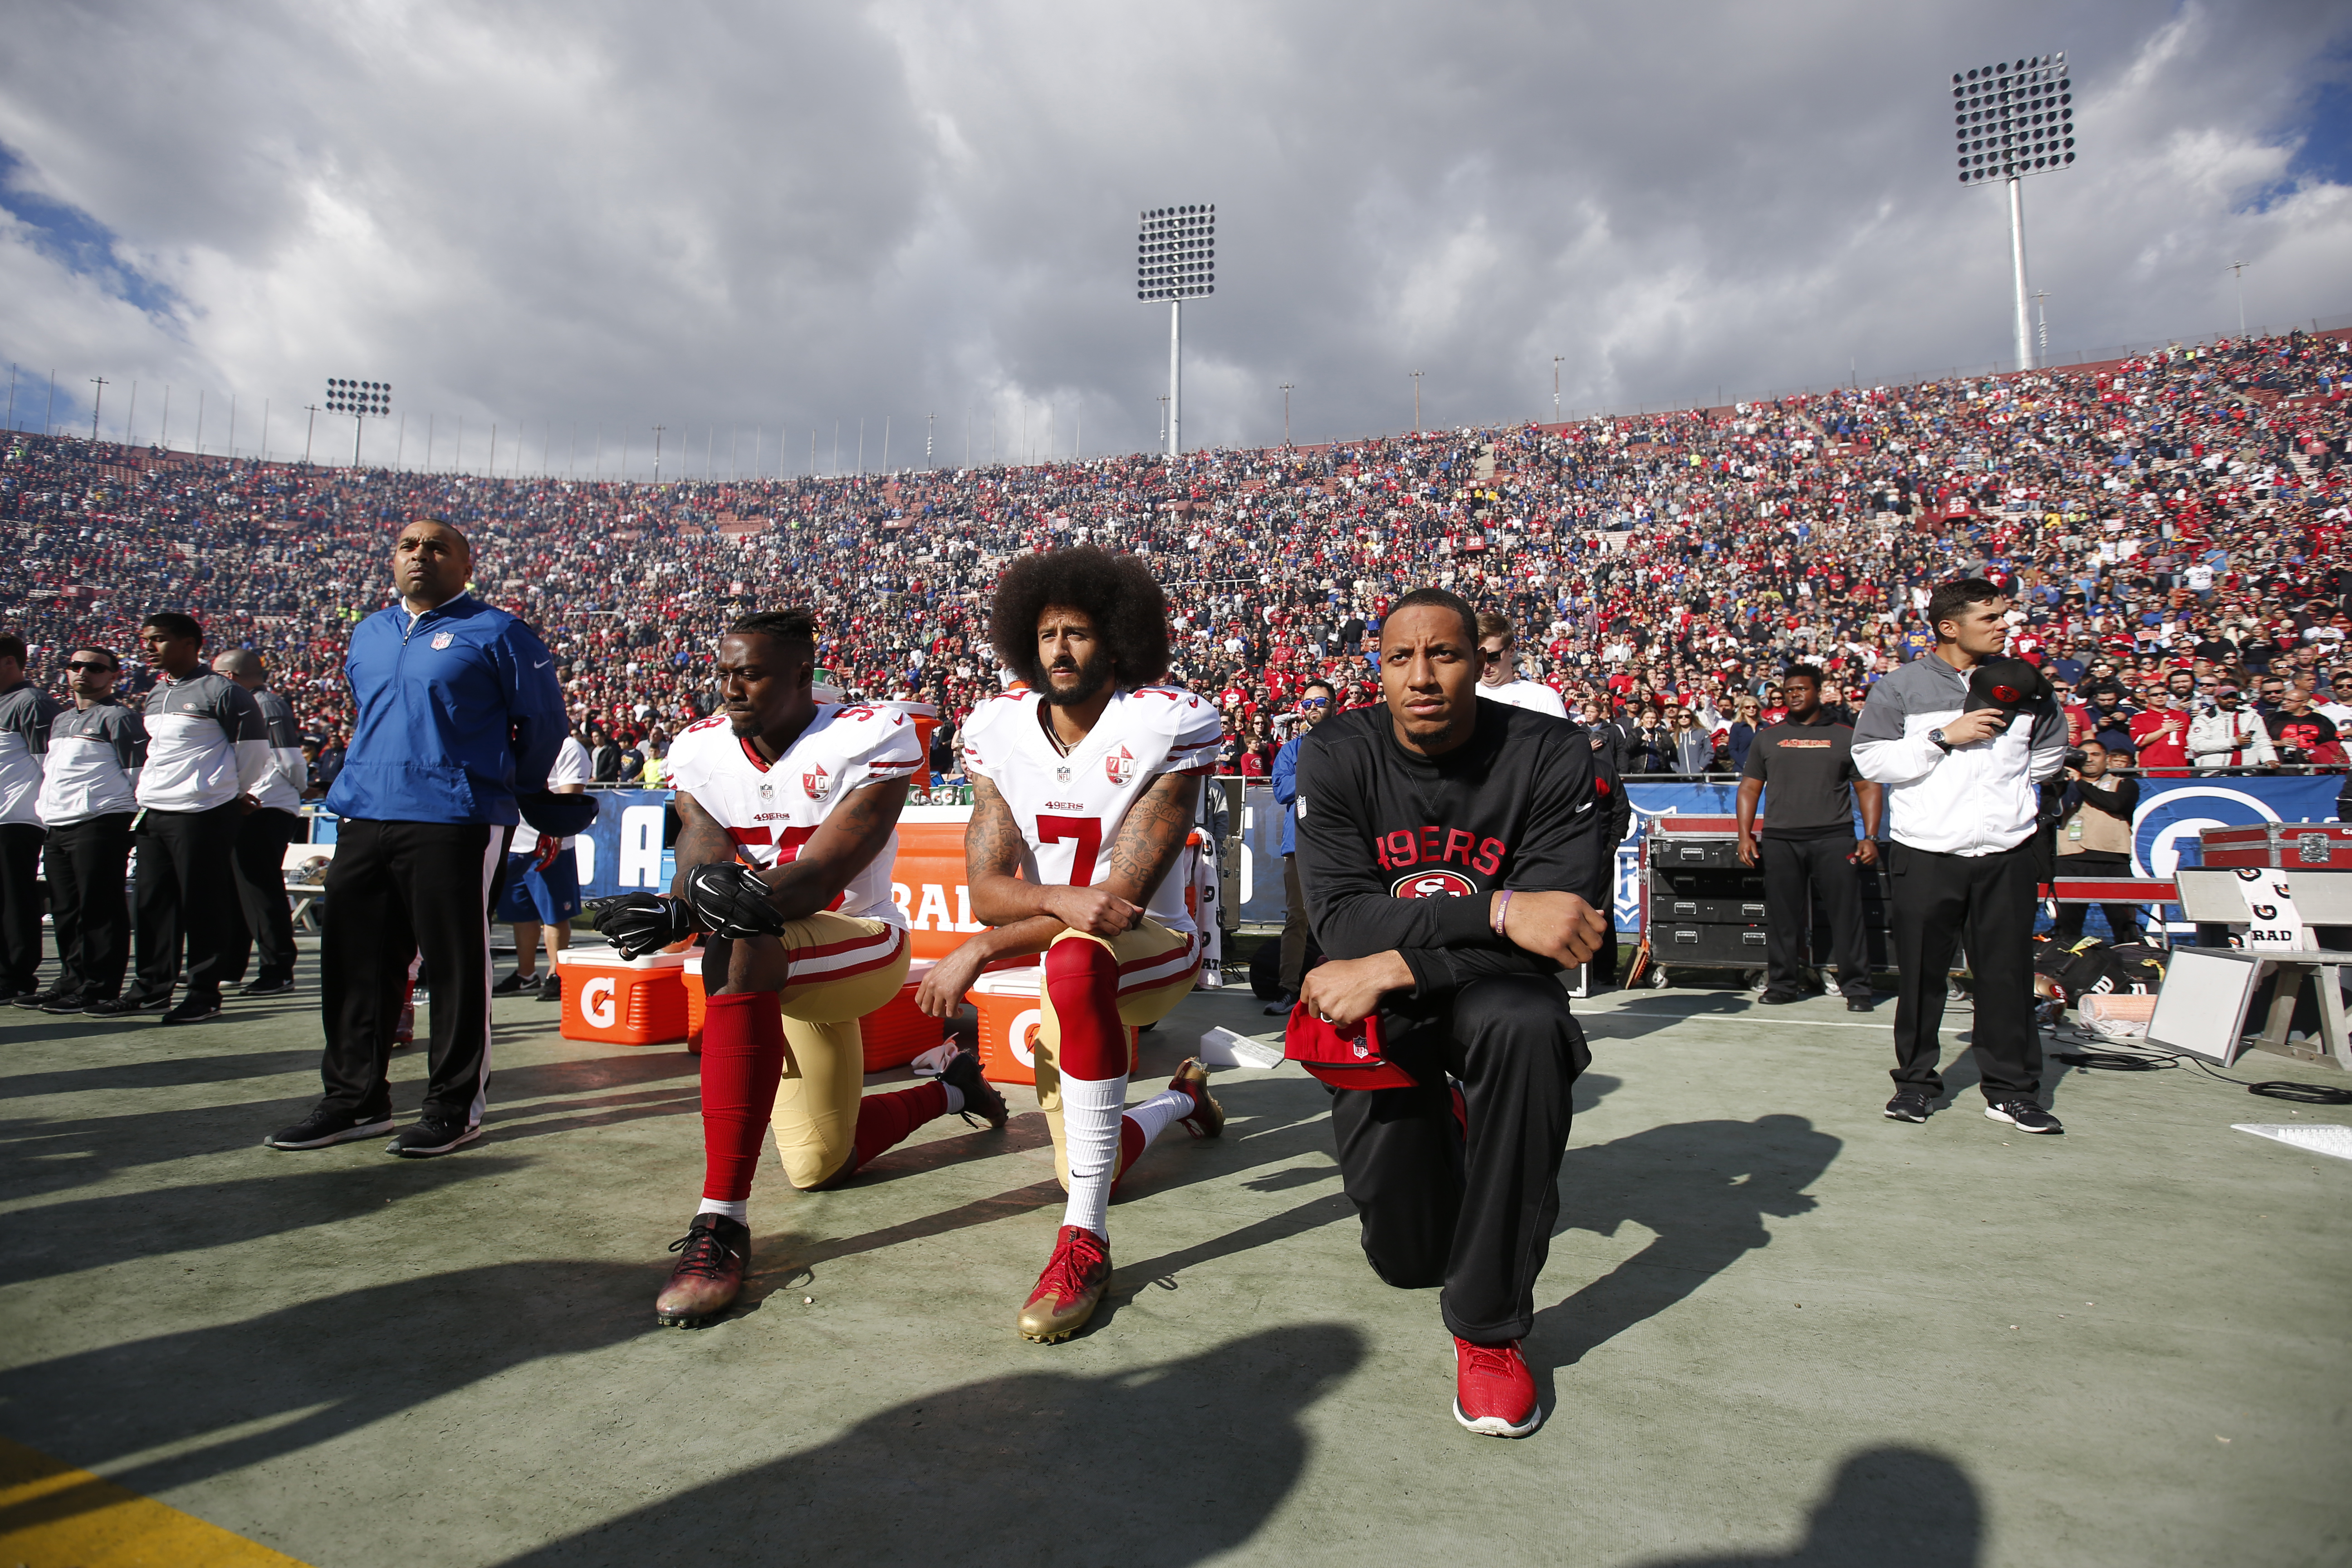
(721, 217)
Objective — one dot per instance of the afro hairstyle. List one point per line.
(1118, 592)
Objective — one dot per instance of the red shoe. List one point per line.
(1208, 1117)
(1072, 1286)
(1493, 1393)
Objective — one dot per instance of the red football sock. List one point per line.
(1132, 1141)
(1083, 978)
(884, 1120)
(742, 1062)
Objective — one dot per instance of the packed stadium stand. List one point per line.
(2184, 508)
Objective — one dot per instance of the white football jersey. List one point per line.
(1070, 807)
(771, 808)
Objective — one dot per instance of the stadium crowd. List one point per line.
(2169, 525)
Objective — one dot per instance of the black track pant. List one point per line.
(184, 890)
(1294, 928)
(90, 913)
(261, 841)
(20, 905)
(1795, 869)
(1477, 1219)
(393, 890)
(1987, 902)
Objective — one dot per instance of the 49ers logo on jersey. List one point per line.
(1433, 885)
(817, 782)
(1119, 766)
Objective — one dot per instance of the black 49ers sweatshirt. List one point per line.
(1399, 850)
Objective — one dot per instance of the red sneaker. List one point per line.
(1493, 1393)
(1208, 1117)
(1073, 1284)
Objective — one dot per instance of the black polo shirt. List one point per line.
(1808, 774)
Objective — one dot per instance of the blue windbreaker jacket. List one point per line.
(458, 715)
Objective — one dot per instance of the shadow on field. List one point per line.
(310, 1373)
(1704, 1187)
(1154, 1466)
(1889, 1505)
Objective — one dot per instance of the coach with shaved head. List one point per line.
(459, 716)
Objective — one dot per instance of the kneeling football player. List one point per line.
(1083, 786)
(800, 943)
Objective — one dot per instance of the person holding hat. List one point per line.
(2227, 734)
(1962, 740)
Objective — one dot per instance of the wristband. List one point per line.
(1502, 908)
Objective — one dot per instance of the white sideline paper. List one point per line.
(2318, 1137)
(1224, 1048)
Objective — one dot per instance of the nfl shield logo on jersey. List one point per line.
(1119, 766)
(817, 783)
(442, 640)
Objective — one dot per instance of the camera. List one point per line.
(2076, 756)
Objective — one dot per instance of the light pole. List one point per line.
(1555, 387)
(658, 436)
(1416, 400)
(360, 399)
(1287, 387)
(2041, 325)
(2237, 270)
(1176, 260)
(309, 429)
(99, 396)
(2012, 119)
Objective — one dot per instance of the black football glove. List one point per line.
(728, 899)
(640, 923)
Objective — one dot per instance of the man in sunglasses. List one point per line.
(1498, 670)
(2336, 700)
(26, 714)
(1316, 701)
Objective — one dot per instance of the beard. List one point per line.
(1092, 678)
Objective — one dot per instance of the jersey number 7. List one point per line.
(1086, 831)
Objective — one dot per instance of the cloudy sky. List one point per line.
(582, 219)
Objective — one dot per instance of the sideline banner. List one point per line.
(624, 850)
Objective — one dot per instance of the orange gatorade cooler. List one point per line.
(898, 1032)
(622, 1000)
(1010, 1016)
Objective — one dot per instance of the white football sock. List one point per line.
(955, 1097)
(737, 1209)
(1154, 1114)
(1090, 1117)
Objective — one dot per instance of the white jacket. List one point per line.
(2239, 740)
(1978, 799)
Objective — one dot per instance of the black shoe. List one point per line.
(22, 995)
(2024, 1115)
(551, 989)
(194, 1008)
(1281, 1005)
(116, 1006)
(514, 984)
(1908, 1105)
(267, 985)
(35, 998)
(1860, 1003)
(431, 1135)
(1780, 998)
(327, 1126)
(74, 1001)
(979, 1096)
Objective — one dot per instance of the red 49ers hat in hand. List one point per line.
(1350, 1060)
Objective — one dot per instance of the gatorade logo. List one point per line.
(1021, 1039)
(599, 1004)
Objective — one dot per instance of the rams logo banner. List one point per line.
(1433, 885)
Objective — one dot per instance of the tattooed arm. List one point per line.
(843, 844)
(1026, 917)
(700, 840)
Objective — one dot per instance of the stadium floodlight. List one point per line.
(362, 400)
(2012, 120)
(1176, 260)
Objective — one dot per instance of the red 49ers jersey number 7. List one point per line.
(1069, 807)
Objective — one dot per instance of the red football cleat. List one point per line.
(1208, 1117)
(1070, 1289)
(1493, 1393)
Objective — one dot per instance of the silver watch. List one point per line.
(1941, 745)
